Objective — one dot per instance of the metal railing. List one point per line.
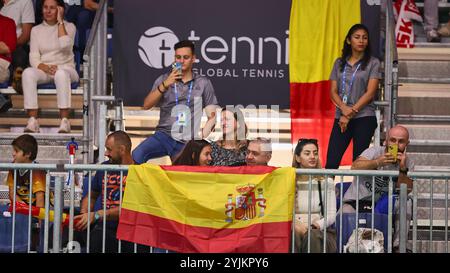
(390, 63)
(95, 87)
(52, 218)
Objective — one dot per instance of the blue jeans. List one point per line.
(160, 144)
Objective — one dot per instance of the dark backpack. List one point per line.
(5, 103)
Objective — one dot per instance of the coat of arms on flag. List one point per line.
(246, 204)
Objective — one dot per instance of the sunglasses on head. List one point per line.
(307, 140)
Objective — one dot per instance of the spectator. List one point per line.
(195, 153)
(306, 156)
(231, 150)
(431, 20)
(176, 92)
(25, 149)
(354, 82)
(7, 45)
(379, 158)
(52, 60)
(22, 12)
(118, 150)
(259, 152)
(444, 31)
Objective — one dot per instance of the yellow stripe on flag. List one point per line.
(200, 199)
(316, 34)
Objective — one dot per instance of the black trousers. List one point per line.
(361, 130)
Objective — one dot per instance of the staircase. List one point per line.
(52, 146)
(423, 106)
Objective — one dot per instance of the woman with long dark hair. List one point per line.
(231, 149)
(306, 156)
(354, 83)
(195, 153)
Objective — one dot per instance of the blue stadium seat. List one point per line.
(21, 234)
(345, 186)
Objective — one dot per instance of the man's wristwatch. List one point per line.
(96, 217)
(404, 171)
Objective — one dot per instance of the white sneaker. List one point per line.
(433, 36)
(64, 127)
(32, 126)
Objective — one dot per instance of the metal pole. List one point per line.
(30, 202)
(14, 213)
(430, 244)
(402, 214)
(47, 211)
(86, 94)
(414, 218)
(390, 190)
(59, 204)
(118, 121)
(309, 212)
(102, 132)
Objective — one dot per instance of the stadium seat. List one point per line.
(21, 234)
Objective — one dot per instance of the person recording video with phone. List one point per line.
(393, 156)
(175, 93)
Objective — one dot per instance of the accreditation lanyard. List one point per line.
(189, 93)
(345, 95)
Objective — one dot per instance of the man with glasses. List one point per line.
(259, 152)
(175, 93)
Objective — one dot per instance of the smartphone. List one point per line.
(177, 66)
(393, 150)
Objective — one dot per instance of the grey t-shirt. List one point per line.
(359, 86)
(202, 95)
(381, 182)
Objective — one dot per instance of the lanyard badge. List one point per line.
(181, 116)
(346, 94)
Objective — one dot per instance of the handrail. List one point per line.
(94, 30)
(390, 64)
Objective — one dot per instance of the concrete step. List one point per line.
(430, 159)
(425, 131)
(426, 52)
(46, 154)
(17, 124)
(423, 246)
(424, 189)
(428, 70)
(424, 99)
(47, 101)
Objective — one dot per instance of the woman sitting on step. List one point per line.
(51, 60)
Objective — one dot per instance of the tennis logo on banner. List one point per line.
(156, 47)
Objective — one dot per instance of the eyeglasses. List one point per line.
(308, 140)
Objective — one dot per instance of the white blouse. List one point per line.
(46, 47)
(302, 197)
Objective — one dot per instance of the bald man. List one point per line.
(379, 158)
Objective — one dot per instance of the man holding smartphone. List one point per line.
(181, 95)
(393, 156)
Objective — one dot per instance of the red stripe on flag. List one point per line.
(312, 116)
(221, 169)
(163, 233)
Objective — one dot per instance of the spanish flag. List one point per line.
(208, 209)
(317, 32)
